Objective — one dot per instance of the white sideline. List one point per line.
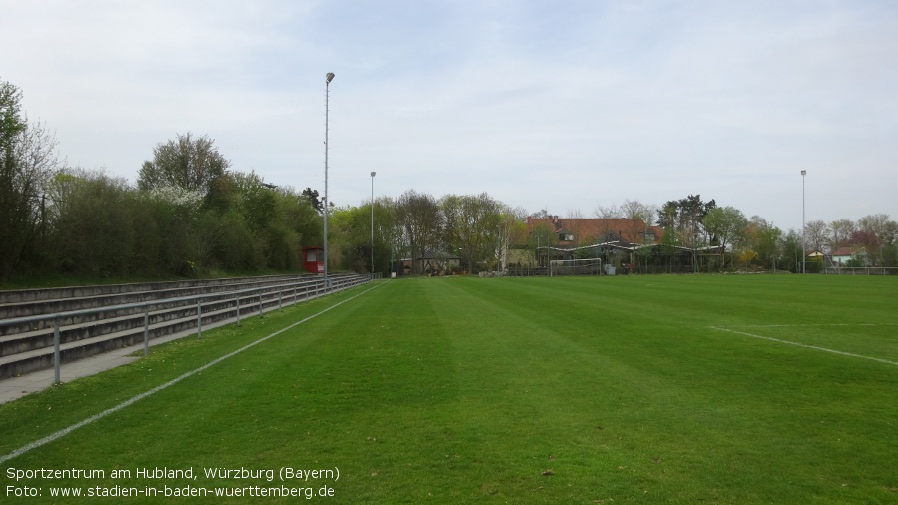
(806, 345)
(65, 431)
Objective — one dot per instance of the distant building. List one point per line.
(626, 244)
(431, 262)
(841, 256)
(557, 238)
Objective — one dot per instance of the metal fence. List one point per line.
(861, 270)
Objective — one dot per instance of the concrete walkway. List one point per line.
(17, 387)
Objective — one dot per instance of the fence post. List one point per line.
(280, 304)
(56, 358)
(199, 318)
(146, 329)
(260, 304)
(238, 309)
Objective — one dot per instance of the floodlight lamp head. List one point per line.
(373, 174)
(804, 172)
(330, 77)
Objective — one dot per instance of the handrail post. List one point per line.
(199, 318)
(146, 329)
(238, 309)
(56, 357)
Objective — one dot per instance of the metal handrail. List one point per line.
(335, 284)
(843, 270)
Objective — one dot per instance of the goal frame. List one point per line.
(579, 266)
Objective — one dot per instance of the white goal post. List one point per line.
(583, 266)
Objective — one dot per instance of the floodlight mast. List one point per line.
(329, 77)
(804, 251)
(372, 223)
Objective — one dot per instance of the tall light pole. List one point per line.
(804, 251)
(327, 90)
(372, 221)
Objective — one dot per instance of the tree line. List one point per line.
(480, 230)
(188, 213)
(191, 213)
(475, 228)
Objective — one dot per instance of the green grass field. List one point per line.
(638, 389)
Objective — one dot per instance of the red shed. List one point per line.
(313, 259)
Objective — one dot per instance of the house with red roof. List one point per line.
(551, 238)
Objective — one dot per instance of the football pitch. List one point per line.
(628, 389)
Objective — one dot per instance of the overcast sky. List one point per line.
(556, 105)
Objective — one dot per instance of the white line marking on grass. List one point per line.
(65, 431)
(810, 324)
(806, 345)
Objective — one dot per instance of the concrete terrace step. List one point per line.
(71, 292)
(111, 323)
(131, 335)
(25, 303)
(118, 326)
(125, 305)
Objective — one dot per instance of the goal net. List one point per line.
(583, 266)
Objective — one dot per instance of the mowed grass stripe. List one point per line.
(720, 381)
(531, 391)
(623, 336)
